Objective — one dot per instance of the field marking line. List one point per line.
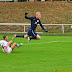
(46, 42)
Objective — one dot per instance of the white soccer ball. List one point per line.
(71, 26)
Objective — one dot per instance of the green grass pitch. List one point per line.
(50, 54)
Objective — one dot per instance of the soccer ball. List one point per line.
(71, 26)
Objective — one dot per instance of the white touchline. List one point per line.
(46, 42)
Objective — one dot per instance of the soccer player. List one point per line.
(6, 45)
(31, 32)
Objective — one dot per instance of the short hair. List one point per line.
(38, 13)
(4, 36)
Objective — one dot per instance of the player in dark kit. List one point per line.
(31, 32)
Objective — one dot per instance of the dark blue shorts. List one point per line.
(31, 33)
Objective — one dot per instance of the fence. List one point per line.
(11, 26)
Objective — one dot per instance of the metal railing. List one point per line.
(24, 24)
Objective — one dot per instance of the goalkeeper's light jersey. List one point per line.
(3, 43)
(34, 23)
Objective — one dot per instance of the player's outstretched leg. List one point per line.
(18, 45)
(14, 36)
(23, 36)
(17, 36)
(15, 44)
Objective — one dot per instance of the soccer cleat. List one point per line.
(28, 39)
(18, 45)
(14, 36)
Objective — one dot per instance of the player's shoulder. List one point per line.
(4, 41)
(1, 40)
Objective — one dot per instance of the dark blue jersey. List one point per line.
(34, 22)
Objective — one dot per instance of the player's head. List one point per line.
(38, 15)
(5, 37)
